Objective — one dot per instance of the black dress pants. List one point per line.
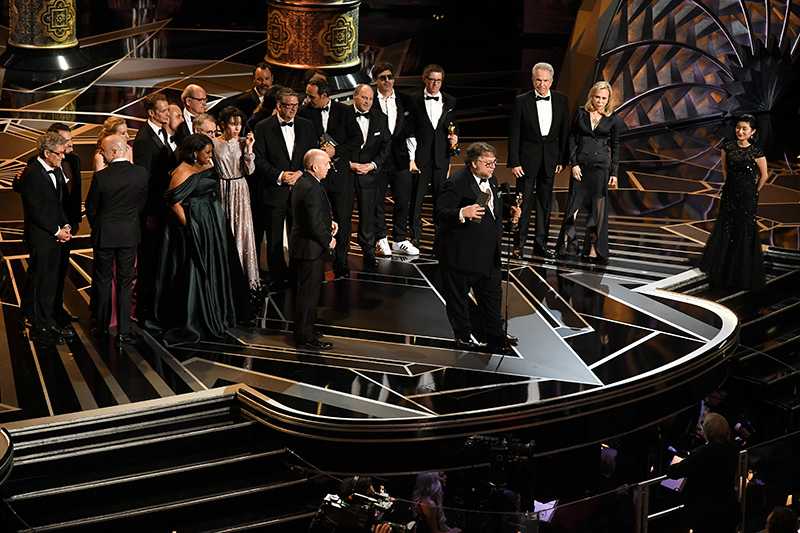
(104, 259)
(542, 184)
(342, 201)
(310, 274)
(488, 291)
(367, 191)
(419, 188)
(400, 183)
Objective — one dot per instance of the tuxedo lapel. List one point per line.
(276, 131)
(534, 112)
(446, 105)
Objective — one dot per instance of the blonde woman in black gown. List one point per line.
(732, 257)
(594, 156)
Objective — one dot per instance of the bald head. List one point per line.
(113, 147)
(316, 162)
(194, 99)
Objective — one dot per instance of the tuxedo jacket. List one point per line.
(343, 129)
(432, 142)
(272, 158)
(247, 102)
(526, 146)
(71, 200)
(115, 201)
(469, 246)
(150, 152)
(44, 213)
(375, 150)
(311, 229)
(183, 131)
(404, 128)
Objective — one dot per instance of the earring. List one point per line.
(194, 159)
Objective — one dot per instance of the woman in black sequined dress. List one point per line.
(732, 257)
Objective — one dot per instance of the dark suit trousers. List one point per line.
(310, 274)
(63, 265)
(342, 201)
(400, 182)
(543, 185)
(42, 280)
(367, 219)
(419, 188)
(103, 271)
(487, 288)
(274, 217)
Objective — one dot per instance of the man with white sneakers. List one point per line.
(396, 169)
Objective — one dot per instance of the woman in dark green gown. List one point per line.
(194, 298)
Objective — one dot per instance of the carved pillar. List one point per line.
(307, 33)
(42, 36)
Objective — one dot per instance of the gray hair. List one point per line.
(544, 66)
(285, 92)
(476, 150)
(50, 141)
(199, 120)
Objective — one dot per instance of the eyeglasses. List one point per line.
(386, 77)
(59, 154)
(204, 100)
(289, 105)
(490, 164)
(434, 80)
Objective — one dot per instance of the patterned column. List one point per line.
(306, 33)
(42, 24)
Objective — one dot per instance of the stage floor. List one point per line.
(583, 329)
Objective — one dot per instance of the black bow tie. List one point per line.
(326, 109)
(432, 98)
(360, 114)
(545, 98)
(290, 124)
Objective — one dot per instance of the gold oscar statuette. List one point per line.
(454, 150)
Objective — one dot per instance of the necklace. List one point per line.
(594, 121)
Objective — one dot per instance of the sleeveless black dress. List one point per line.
(732, 257)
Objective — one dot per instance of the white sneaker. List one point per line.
(405, 247)
(382, 247)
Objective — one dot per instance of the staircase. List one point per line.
(186, 465)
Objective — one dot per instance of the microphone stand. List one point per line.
(512, 227)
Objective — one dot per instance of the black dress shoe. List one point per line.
(45, 336)
(469, 344)
(547, 253)
(99, 333)
(317, 334)
(502, 342)
(64, 316)
(370, 261)
(341, 271)
(316, 345)
(129, 339)
(61, 332)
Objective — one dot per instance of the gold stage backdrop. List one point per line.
(42, 24)
(304, 34)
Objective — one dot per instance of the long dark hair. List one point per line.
(193, 144)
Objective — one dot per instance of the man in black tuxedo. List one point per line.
(396, 170)
(154, 149)
(335, 121)
(430, 151)
(538, 137)
(312, 235)
(468, 247)
(194, 101)
(47, 230)
(281, 142)
(365, 164)
(248, 101)
(116, 199)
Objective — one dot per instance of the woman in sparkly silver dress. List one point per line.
(234, 159)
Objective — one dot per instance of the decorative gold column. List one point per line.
(307, 33)
(42, 24)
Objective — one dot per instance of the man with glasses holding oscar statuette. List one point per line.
(281, 142)
(47, 229)
(469, 217)
(435, 136)
(194, 100)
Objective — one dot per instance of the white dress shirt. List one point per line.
(434, 108)
(544, 108)
(389, 107)
(288, 138)
(170, 141)
(325, 113)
